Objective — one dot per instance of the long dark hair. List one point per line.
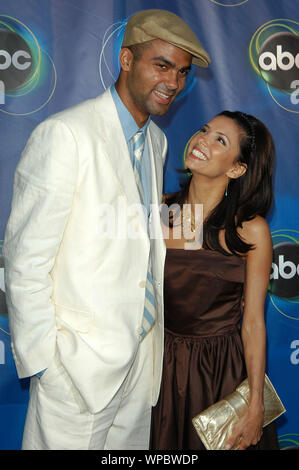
(248, 196)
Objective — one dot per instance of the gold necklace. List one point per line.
(190, 224)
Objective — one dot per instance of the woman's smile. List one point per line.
(199, 154)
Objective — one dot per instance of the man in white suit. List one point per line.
(86, 309)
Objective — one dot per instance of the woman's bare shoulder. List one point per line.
(255, 231)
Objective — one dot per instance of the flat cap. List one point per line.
(147, 25)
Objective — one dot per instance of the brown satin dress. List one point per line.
(203, 357)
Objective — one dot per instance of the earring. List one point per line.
(225, 194)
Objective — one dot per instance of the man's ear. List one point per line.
(237, 170)
(126, 59)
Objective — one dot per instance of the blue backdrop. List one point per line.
(55, 53)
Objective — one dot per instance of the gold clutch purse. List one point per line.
(215, 424)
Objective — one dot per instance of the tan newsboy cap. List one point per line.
(147, 25)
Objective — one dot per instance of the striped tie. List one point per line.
(150, 302)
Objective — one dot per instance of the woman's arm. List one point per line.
(249, 429)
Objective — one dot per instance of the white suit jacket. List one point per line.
(68, 289)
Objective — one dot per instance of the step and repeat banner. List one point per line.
(55, 53)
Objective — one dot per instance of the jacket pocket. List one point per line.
(78, 320)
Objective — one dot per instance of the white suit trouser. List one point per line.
(56, 420)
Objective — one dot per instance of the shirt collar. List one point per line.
(127, 121)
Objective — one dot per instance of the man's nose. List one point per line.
(172, 81)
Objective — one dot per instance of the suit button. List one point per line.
(142, 284)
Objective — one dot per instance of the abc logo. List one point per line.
(284, 278)
(15, 60)
(279, 60)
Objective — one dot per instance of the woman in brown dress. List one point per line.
(215, 287)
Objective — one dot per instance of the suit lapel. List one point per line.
(156, 166)
(116, 147)
(118, 154)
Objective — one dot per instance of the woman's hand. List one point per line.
(248, 430)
